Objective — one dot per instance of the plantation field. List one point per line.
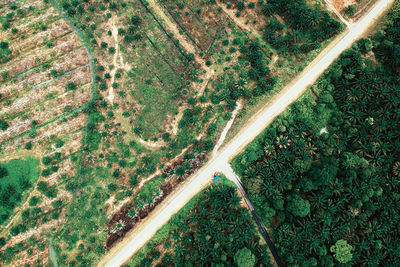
(45, 75)
(212, 228)
(160, 68)
(45, 86)
(324, 175)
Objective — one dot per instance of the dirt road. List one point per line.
(262, 119)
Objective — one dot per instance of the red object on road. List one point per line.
(215, 174)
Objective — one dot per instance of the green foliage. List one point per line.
(309, 26)
(211, 229)
(28, 145)
(244, 258)
(70, 86)
(313, 186)
(5, 53)
(342, 251)
(298, 206)
(349, 11)
(3, 125)
(3, 172)
(18, 176)
(33, 201)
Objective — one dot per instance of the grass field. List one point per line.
(17, 176)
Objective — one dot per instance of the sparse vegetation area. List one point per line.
(40, 120)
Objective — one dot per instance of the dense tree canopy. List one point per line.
(325, 175)
(217, 231)
(310, 26)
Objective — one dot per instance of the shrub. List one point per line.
(28, 145)
(240, 5)
(34, 201)
(71, 86)
(53, 73)
(342, 251)
(4, 125)
(190, 56)
(135, 20)
(112, 187)
(3, 172)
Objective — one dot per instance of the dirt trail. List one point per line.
(120, 65)
(190, 48)
(238, 21)
(23, 152)
(226, 129)
(125, 66)
(332, 8)
(114, 31)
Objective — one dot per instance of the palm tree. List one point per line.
(176, 236)
(396, 168)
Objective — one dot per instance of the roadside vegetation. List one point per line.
(213, 228)
(324, 176)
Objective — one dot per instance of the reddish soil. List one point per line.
(129, 223)
(341, 4)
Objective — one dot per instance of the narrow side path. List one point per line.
(337, 13)
(231, 175)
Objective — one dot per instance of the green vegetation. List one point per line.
(5, 53)
(342, 251)
(3, 125)
(16, 177)
(304, 29)
(324, 175)
(211, 229)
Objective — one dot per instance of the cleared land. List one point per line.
(44, 88)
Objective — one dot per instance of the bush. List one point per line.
(71, 86)
(3, 172)
(240, 5)
(4, 125)
(33, 201)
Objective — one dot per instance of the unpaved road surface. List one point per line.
(133, 242)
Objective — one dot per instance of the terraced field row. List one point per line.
(48, 73)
